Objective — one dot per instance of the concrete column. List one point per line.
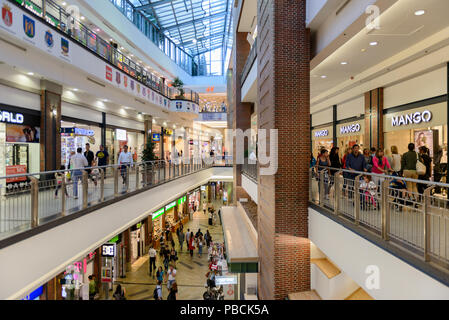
(283, 59)
(148, 122)
(50, 135)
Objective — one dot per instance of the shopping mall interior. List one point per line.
(224, 150)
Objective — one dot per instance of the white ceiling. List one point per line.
(400, 29)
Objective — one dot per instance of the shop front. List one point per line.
(194, 201)
(19, 144)
(322, 138)
(137, 241)
(349, 134)
(76, 135)
(423, 126)
(117, 138)
(157, 140)
(75, 280)
(167, 141)
(157, 218)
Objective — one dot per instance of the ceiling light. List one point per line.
(344, 63)
(30, 73)
(105, 100)
(374, 43)
(82, 18)
(97, 30)
(363, 50)
(323, 77)
(420, 12)
(75, 89)
(64, 3)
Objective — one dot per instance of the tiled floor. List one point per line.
(191, 272)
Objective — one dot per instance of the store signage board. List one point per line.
(157, 214)
(108, 250)
(120, 134)
(352, 128)
(225, 280)
(321, 133)
(139, 225)
(11, 117)
(411, 118)
(156, 137)
(171, 205)
(35, 294)
(115, 239)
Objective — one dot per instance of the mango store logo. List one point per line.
(350, 128)
(321, 133)
(11, 117)
(411, 118)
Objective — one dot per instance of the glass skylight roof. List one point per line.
(198, 26)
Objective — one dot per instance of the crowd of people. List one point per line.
(412, 164)
(213, 106)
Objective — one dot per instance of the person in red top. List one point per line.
(380, 165)
(191, 244)
(343, 160)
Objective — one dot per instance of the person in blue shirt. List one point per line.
(312, 161)
(355, 161)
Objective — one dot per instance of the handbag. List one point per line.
(420, 167)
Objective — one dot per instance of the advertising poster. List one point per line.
(13, 170)
(22, 133)
(424, 138)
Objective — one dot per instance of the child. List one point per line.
(58, 177)
(95, 174)
(368, 191)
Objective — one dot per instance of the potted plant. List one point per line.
(149, 155)
(178, 84)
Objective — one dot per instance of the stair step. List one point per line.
(327, 267)
(306, 295)
(359, 294)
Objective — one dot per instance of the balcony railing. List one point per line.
(249, 62)
(416, 223)
(56, 16)
(28, 201)
(250, 170)
(179, 56)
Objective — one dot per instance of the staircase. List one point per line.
(359, 294)
(306, 295)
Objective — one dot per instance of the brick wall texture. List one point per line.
(283, 55)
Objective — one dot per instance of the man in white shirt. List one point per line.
(171, 277)
(77, 162)
(125, 159)
(152, 253)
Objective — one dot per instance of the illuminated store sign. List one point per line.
(322, 133)
(11, 117)
(108, 250)
(171, 205)
(411, 118)
(157, 214)
(121, 135)
(352, 128)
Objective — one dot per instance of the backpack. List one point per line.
(155, 294)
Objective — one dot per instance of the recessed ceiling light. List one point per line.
(97, 30)
(374, 43)
(344, 63)
(420, 12)
(363, 50)
(30, 73)
(323, 77)
(64, 3)
(75, 89)
(105, 100)
(82, 18)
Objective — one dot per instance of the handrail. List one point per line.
(90, 40)
(249, 62)
(28, 201)
(411, 213)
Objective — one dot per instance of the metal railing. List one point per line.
(388, 206)
(31, 200)
(249, 62)
(56, 16)
(250, 170)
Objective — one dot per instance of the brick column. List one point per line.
(283, 57)
(374, 128)
(241, 115)
(50, 136)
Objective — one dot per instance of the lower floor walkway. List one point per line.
(191, 271)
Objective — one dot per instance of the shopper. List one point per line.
(387, 153)
(119, 293)
(78, 162)
(367, 156)
(157, 294)
(125, 160)
(166, 259)
(200, 242)
(188, 238)
(89, 156)
(334, 157)
(198, 233)
(208, 238)
(204, 207)
(355, 161)
(380, 165)
(323, 162)
(92, 287)
(171, 276)
(343, 160)
(59, 176)
(152, 260)
(191, 244)
(102, 158)
(437, 170)
(160, 275)
(427, 161)
(173, 256)
(173, 295)
(396, 163)
(181, 238)
(408, 167)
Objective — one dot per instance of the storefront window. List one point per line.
(322, 138)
